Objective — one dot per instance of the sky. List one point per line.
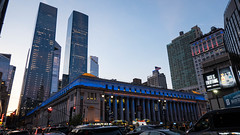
(128, 36)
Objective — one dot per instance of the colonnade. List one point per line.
(156, 110)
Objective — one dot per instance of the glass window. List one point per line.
(226, 120)
(202, 124)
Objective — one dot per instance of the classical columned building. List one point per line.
(101, 101)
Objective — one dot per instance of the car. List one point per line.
(161, 132)
(96, 130)
(56, 129)
(17, 132)
(223, 121)
(141, 129)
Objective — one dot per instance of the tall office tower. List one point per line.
(3, 8)
(56, 66)
(157, 80)
(94, 67)
(76, 50)
(38, 81)
(180, 60)
(232, 34)
(205, 48)
(7, 75)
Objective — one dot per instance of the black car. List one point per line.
(224, 121)
(141, 129)
(96, 130)
(17, 132)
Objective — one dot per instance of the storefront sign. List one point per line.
(227, 78)
(211, 81)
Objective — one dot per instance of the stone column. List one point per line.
(143, 109)
(158, 111)
(171, 110)
(175, 111)
(179, 112)
(127, 108)
(115, 108)
(138, 112)
(148, 110)
(153, 111)
(121, 108)
(133, 109)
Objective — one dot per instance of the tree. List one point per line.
(76, 120)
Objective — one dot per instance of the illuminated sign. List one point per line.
(211, 81)
(227, 79)
(232, 100)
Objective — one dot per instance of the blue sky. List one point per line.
(128, 36)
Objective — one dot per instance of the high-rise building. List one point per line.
(3, 8)
(76, 50)
(56, 66)
(157, 80)
(180, 60)
(6, 79)
(94, 67)
(38, 81)
(206, 47)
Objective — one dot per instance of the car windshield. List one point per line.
(226, 120)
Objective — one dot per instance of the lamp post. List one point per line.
(215, 92)
(49, 111)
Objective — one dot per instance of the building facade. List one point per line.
(181, 62)
(38, 81)
(99, 100)
(204, 48)
(3, 9)
(76, 50)
(157, 80)
(94, 67)
(56, 68)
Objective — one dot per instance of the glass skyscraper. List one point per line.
(56, 66)
(76, 50)
(180, 60)
(38, 81)
(94, 67)
(3, 8)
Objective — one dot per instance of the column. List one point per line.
(110, 108)
(175, 111)
(189, 112)
(153, 111)
(171, 110)
(148, 110)
(133, 109)
(158, 111)
(182, 112)
(179, 112)
(192, 113)
(127, 109)
(166, 111)
(143, 109)
(115, 108)
(138, 111)
(185, 111)
(121, 108)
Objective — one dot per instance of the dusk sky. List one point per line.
(128, 36)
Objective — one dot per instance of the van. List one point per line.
(217, 122)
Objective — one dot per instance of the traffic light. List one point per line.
(74, 108)
(50, 109)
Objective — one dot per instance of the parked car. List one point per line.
(140, 129)
(161, 132)
(17, 132)
(224, 121)
(96, 130)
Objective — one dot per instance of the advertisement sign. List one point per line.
(232, 100)
(227, 79)
(211, 81)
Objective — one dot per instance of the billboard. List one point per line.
(211, 81)
(227, 78)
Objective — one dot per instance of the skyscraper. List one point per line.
(38, 81)
(94, 67)
(56, 66)
(7, 72)
(76, 50)
(3, 8)
(180, 60)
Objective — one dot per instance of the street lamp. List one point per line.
(215, 93)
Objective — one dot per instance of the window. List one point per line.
(202, 124)
(106, 86)
(112, 87)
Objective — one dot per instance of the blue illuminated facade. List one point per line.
(38, 81)
(122, 100)
(76, 50)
